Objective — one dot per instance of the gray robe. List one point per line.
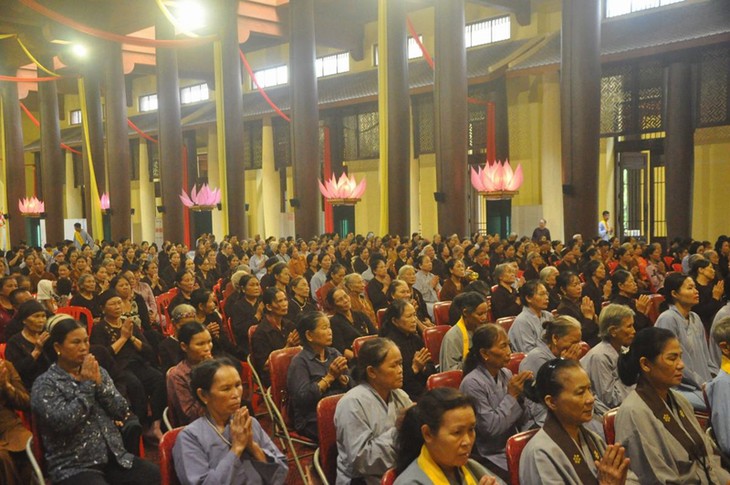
(366, 432)
(601, 364)
(451, 355)
(656, 455)
(526, 330)
(413, 475)
(536, 412)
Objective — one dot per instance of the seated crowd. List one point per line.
(543, 335)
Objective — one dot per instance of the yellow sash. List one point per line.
(434, 472)
(79, 239)
(725, 364)
(464, 337)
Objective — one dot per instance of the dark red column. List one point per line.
(450, 93)
(233, 116)
(53, 172)
(305, 118)
(118, 145)
(14, 163)
(580, 93)
(399, 127)
(170, 135)
(679, 149)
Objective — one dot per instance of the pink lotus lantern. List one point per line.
(104, 202)
(496, 181)
(205, 199)
(31, 207)
(344, 191)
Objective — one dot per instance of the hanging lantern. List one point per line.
(497, 181)
(104, 203)
(31, 207)
(344, 191)
(205, 199)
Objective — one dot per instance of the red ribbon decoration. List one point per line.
(260, 89)
(141, 133)
(38, 124)
(123, 39)
(29, 79)
(414, 34)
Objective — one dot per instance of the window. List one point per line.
(414, 51)
(273, 76)
(614, 8)
(194, 94)
(148, 102)
(488, 31)
(74, 117)
(334, 64)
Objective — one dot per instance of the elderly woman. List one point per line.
(564, 450)
(407, 273)
(244, 307)
(455, 282)
(505, 299)
(25, 349)
(299, 301)
(561, 339)
(624, 291)
(616, 329)
(347, 324)
(86, 295)
(548, 277)
(47, 296)
(525, 332)
(273, 333)
(355, 288)
(169, 351)
(400, 325)
(657, 425)
(206, 313)
(135, 360)
(711, 292)
(185, 283)
(573, 304)
(335, 279)
(365, 417)
(596, 287)
(681, 295)
(436, 440)
(377, 288)
(226, 444)
(75, 405)
(318, 371)
(497, 395)
(197, 345)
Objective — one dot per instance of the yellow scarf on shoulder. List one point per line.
(464, 338)
(725, 364)
(434, 472)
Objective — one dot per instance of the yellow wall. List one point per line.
(711, 180)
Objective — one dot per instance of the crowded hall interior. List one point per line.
(332, 242)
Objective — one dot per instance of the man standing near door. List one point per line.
(605, 231)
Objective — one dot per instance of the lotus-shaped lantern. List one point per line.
(205, 199)
(104, 202)
(342, 191)
(496, 180)
(31, 207)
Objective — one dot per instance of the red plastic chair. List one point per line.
(441, 312)
(656, 302)
(513, 450)
(259, 391)
(609, 425)
(506, 322)
(279, 361)
(358, 342)
(668, 261)
(379, 318)
(490, 316)
(163, 303)
(2, 350)
(432, 338)
(325, 457)
(167, 467)
(514, 362)
(228, 328)
(389, 477)
(450, 378)
(677, 267)
(78, 312)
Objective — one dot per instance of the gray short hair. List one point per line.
(721, 331)
(611, 316)
(547, 271)
(350, 279)
(405, 268)
(501, 269)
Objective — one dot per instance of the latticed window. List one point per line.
(423, 124)
(714, 88)
(252, 145)
(282, 143)
(632, 97)
(361, 133)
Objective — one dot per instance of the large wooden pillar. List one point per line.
(580, 92)
(14, 163)
(450, 93)
(120, 196)
(305, 118)
(53, 169)
(232, 117)
(679, 149)
(395, 109)
(170, 135)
